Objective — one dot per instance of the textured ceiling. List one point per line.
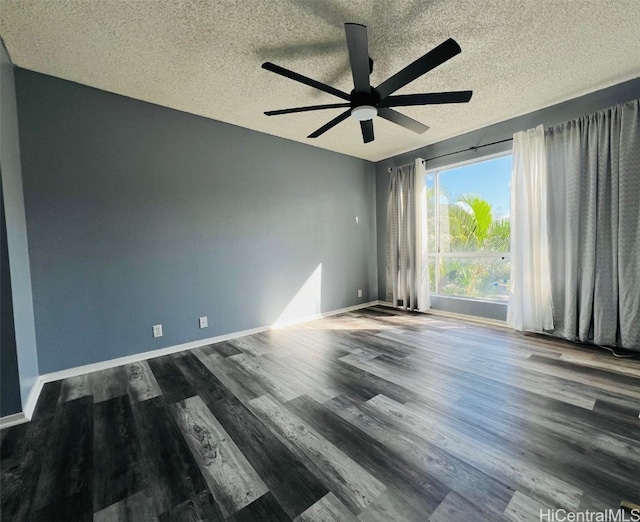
(204, 57)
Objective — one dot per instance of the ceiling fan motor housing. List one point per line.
(364, 98)
(364, 105)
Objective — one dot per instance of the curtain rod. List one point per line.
(463, 150)
(466, 150)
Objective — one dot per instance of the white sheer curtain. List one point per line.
(422, 282)
(530, 305)
(406, 239)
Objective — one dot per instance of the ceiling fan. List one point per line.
(365, 102)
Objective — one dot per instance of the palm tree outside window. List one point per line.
(469, 229)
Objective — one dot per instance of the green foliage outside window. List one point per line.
(467, 224)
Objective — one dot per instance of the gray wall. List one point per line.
(9, 380)
(549, 116)
(139, 214)
(478, 308)
(16, 237)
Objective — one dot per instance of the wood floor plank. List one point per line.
(413, 486)
(135, 508)
(380, 346)
(225, 349)
(342, 378)
(476, 486)
(319, 345)
(231, 479)
(523, 509)
(141, 382)
(602, 361)
(48, 400)
(620, 414)
(257, 368)
(521, 439)
(107, 384)
(76, 507)
(501, 371)
(327, 509)
(299, 377)
(537, 383)
(311, 376)
(252, 345)
(346, 478)
(74, 388)
(416, 382)
(264, 509)
(238, 380)
(291, 483)
(116, 453)
(594, 377)
(21, 457)
(390, 505)
(456, 507)
(66, 475)
(362, 384)
(172, 383)
(170, 470)
(484, 457)
(626, 447)
(201, 507)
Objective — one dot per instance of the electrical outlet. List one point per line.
(204, 323)
(157, 330)
(359, 293)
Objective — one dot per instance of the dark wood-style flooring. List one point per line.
(371, 415)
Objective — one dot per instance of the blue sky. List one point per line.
(487, 179)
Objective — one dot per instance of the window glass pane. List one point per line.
(474, 207)
(475, 277)
(432, 274)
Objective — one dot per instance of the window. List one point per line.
(468, 229)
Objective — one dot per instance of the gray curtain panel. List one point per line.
(401, 238)
(594, 226)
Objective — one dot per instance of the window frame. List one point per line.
(436, 256)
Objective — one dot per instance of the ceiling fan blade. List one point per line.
(331, 124)
(357, 43)
(304, 79)
(432, 98)
(446, 50)
(367, 130)
(306, 109)
(402, 120)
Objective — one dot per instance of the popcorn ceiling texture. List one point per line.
(204, 57)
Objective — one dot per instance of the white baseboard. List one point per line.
(12, 420)
(454, 315)
(32, 400)
(314, 317)
(27, 410)
(143, 356)
(468, 318)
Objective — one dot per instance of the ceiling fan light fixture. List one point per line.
(364, 112)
